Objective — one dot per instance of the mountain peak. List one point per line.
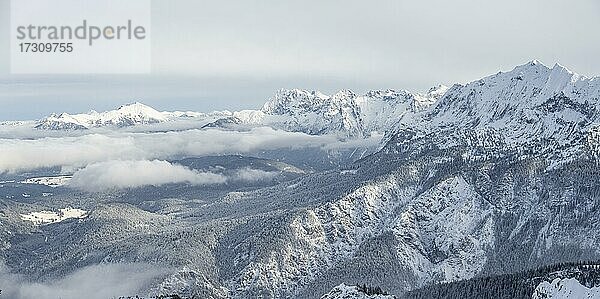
(537, 65)
(285, 99)
(559, 68)
(133, 104)
(531, 66)
(286, 93)
(137, 108)
(344, 94)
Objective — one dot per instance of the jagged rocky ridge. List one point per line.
(531, 108)
(345, 113)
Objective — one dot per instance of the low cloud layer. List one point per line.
(79, 151)
(253, 175)
(93, 282)
(114, 175)
(103, 176)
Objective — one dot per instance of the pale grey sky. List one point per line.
(235, 54)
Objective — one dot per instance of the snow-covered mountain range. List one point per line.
(528, 104)
(345, 113)
(496, 176)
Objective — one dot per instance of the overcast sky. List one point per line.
(209, 55)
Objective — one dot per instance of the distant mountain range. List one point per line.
(344, 113)
(124, 116)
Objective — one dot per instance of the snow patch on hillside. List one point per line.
(568, 288)
(52, 181)
(48, 217)
(343, 291)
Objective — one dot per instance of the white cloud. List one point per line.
(109, 175)
(118, 174)
(93, 282)
(79, 151)
(253, 175)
